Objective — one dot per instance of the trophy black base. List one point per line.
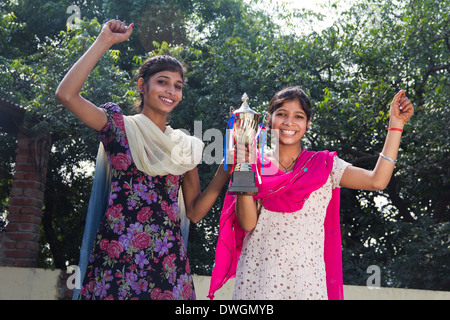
(243, 183)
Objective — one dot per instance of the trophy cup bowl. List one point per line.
(244, 132)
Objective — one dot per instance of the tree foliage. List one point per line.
(351, 70)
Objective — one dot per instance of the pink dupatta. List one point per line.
(284, 192)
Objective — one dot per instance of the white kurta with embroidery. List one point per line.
(283, 257)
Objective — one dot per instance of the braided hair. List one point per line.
(152, 66)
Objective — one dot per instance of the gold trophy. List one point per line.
(245, 129)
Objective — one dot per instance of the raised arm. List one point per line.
(68, 92)
(357, 178)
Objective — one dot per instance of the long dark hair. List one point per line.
(289, 94)
(154, 65)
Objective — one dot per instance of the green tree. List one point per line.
(384, 46)
(34, 80)
(351, 70)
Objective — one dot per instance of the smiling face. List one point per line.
(162, 92)
(291, 121)
(290, 113)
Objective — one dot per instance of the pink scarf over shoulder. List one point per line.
(284, 192)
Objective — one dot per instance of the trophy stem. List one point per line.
(242, 167)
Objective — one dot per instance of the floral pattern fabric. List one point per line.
(139, 251)
(283, 257)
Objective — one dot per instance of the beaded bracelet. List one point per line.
(387, 158)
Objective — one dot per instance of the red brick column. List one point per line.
(20, 242)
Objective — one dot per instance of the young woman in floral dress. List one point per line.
(138, 250)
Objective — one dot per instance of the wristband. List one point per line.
(387, 158)
(395, 129)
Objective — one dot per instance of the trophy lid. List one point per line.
(245, 108)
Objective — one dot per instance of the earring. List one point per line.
(307, 129)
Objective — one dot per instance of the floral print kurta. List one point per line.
(139, 251)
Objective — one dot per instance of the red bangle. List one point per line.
(395, 129)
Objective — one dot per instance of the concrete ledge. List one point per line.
(350, 292)
(201, 284)
(364, 293)
(28, 283)
(42, 284)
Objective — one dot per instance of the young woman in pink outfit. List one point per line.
(284, 243)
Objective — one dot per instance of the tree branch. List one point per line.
(427, 74)
(398, 202)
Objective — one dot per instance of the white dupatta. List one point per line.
(155, 153)
(158, 153)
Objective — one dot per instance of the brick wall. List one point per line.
(20, 242)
